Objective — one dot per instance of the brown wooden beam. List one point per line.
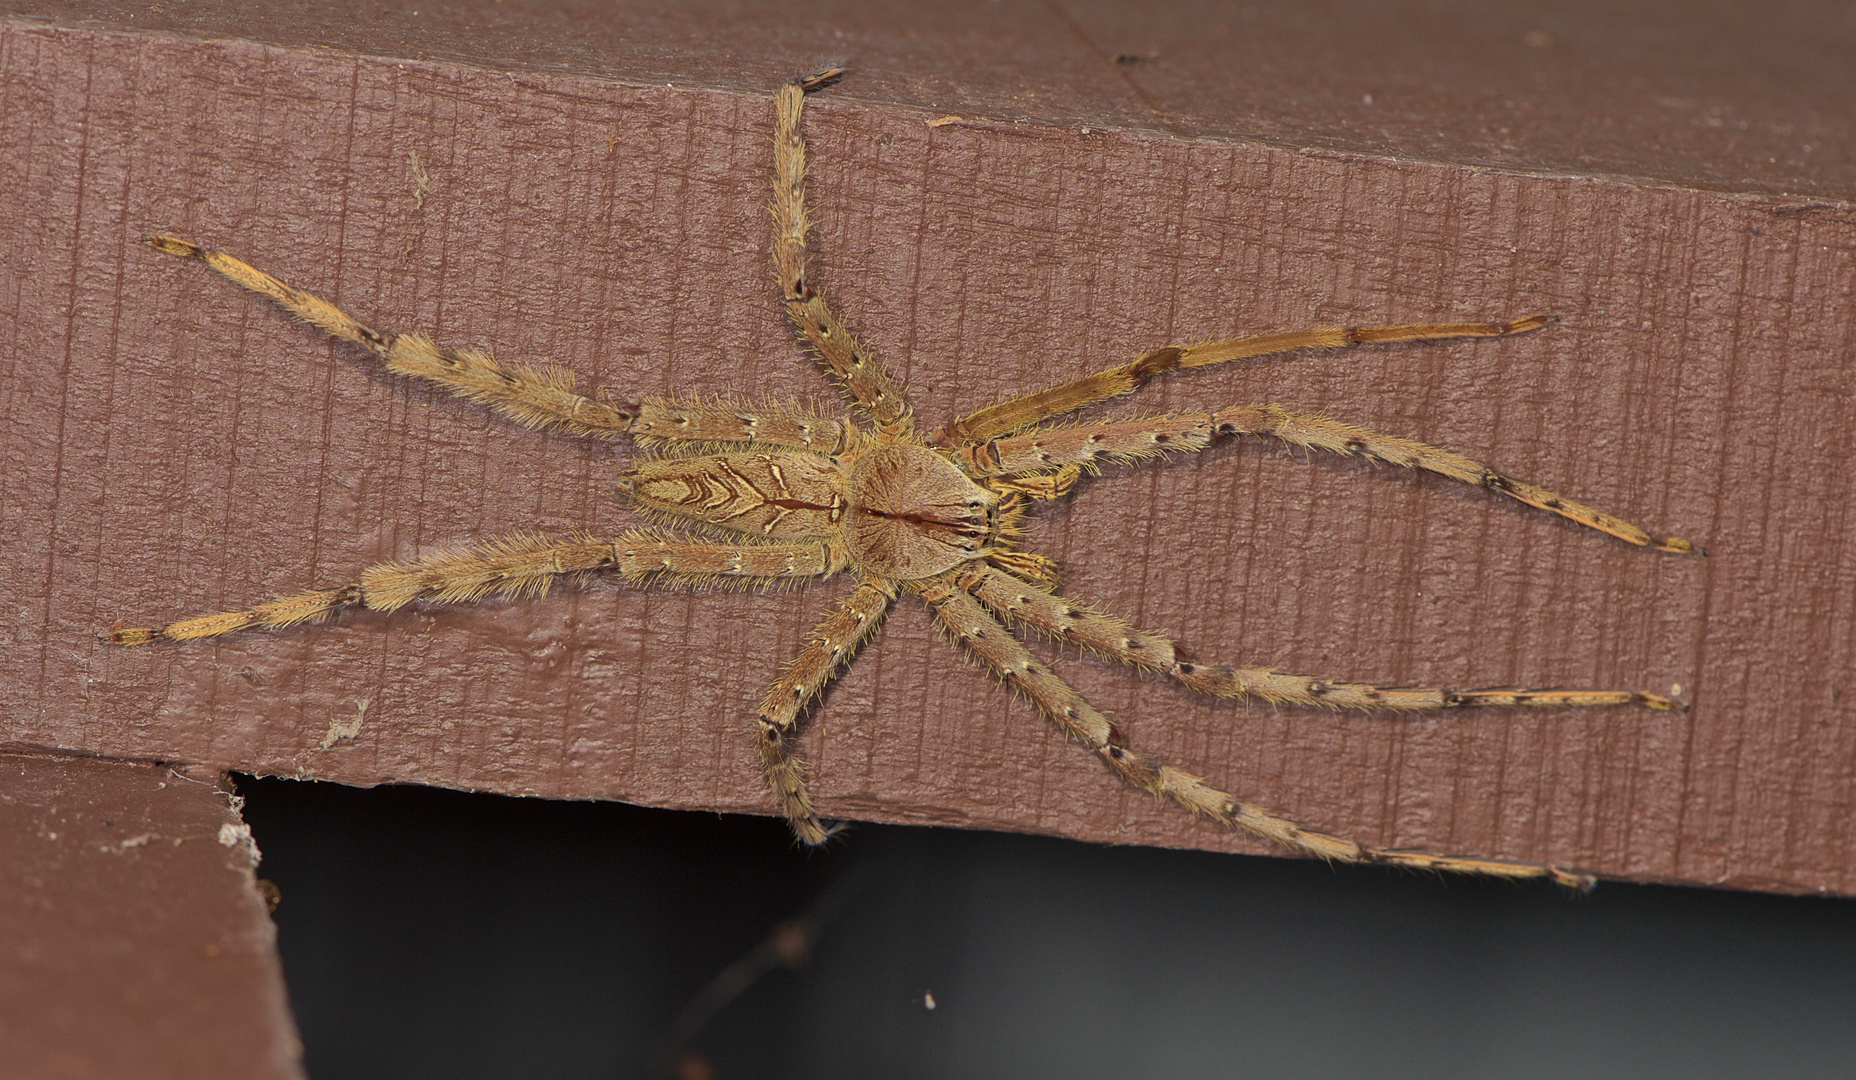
(136, 939)
(170, 445)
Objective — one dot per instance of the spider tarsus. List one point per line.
(1660, 703)
(1529, 322)
(175, 246)
(830, 831)
(129, 635)
(810, 834)
(829, 75)
(1583, 884)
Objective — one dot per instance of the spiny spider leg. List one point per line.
(857, 369)
(533, 396)
(522, 565)
(1067, 620)
(967, 621)
(762, 423)
(537, 396)
(827, 650)
(1066, 451)
(1022, 412)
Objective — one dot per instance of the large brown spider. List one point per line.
(789, 494)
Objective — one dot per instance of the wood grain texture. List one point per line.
(1718, 94)
(172, 445)
(136, 941)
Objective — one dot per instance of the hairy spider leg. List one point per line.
(826, 653)
(1024, 411)
(1066, 450)
(967, 621)
(1066, 620)
(532, 396)
(850, 362)
(784, 424)
(522, 565)
(539, 396)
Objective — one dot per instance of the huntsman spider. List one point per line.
(778, 493)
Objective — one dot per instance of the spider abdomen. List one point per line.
(787, 496)
(913, 514)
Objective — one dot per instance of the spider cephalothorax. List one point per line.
(777, 494)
